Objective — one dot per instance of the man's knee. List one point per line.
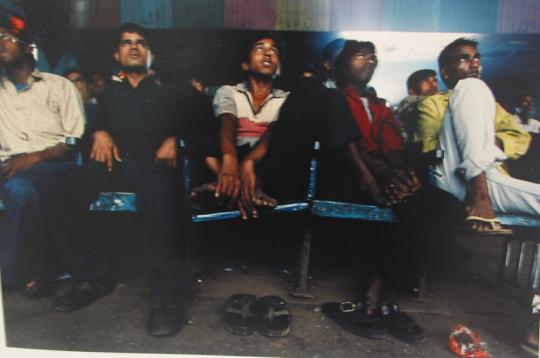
(19, 190)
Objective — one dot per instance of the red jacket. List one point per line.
(381, 135)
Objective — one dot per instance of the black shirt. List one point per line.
(311, 112)
(140, 118)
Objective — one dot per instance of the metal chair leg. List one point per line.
(535, 270)
(301, 284)
(504, 263)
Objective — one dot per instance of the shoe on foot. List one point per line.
(81, 295)
(167, 315)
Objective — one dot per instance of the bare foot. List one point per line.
(261, 199)
(373, 295)
(478, 203)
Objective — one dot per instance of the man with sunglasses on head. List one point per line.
(38, 113)
(134, 148)
(477, 136)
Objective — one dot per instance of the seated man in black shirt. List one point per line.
(134, 138)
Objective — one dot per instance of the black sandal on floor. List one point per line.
(401, 325)
(353, 318)
(238, 317)
(273, 316)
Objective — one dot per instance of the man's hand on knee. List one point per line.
(168, 152)
(104, 150)
(18, 164)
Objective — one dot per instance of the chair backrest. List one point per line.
(312, 184)
(186, 178)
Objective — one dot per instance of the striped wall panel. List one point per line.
(468, 16)
(356, 15)
(155, 14)
(250, 14)
(95, 14)
(198, 13)
(311, 15)
(518, 16)
(485, 16)
(402, 16)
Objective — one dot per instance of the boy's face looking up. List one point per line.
(263, 58)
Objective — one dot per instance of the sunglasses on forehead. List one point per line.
(139, 42)
(7, 37)
(466, 58)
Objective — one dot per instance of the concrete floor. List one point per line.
(117, 323)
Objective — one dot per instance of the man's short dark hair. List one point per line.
(332, 50)
(414, 80)
(525, 93)
(350, 48)
(131, 27)
(253, 39)
(445, 56)
(71, 70)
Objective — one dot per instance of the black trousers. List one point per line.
(158, 202)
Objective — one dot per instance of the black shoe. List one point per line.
(80, 295)
(167, 315)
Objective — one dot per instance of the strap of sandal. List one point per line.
(275, 313)
(350, 306)
(244, 309)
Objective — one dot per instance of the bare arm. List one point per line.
(364, 178)
(228, 180)
(396, 180)
(250, 182)
(17, 164)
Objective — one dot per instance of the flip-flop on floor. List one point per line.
(238, 317)
(273, 316)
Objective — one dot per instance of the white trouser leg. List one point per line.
(511, 195)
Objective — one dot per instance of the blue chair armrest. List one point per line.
(341, 210)
(235, 214)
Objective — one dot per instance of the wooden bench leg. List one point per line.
(300, 287)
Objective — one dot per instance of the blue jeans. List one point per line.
(33, 205)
